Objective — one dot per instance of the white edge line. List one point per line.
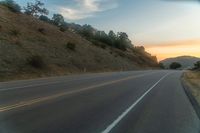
(115, 122)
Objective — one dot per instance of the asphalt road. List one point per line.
(123, 102)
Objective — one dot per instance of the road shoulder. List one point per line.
(192, 89)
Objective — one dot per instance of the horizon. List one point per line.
(165, 28)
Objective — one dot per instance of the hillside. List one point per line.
(33, 48)
(185, 61)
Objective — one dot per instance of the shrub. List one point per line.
(175, 65)
(120, 46)
(99, 44)
(71, 46)
(161, 65)
(62, 29)
(103, 46)
(41, 30)
(44, 18)
(37, 61)
(121, 53)
(15, 32)
(197, 65)
(14, 7)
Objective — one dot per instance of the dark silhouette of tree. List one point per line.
(161, 65)
(197, 65)
(139, 48)
(88, 31)
(112, 37)
(36, 9)
(122, 41)
(58, 19)
(175, 65)
(12, 5)
(44, 18)
(64, 26)
(102, 37)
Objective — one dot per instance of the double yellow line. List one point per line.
(39, 100)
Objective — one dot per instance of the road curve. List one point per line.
(122, 102)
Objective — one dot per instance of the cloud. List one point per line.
(86, 8)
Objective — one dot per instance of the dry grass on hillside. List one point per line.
(193, 80)
(23, 37)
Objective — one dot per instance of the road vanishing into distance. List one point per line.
(152, 101)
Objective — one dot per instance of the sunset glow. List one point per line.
(174, 49)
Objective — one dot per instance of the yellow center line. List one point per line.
(38, 100)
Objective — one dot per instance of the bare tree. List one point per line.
(36, 9)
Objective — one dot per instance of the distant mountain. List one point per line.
(185, 61)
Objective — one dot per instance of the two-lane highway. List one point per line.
(124, 102)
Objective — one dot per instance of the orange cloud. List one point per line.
(173, 49)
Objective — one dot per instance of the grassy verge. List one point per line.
(192, 79)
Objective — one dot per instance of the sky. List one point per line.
(167, 28)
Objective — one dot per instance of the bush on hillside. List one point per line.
(37, 61)
(120, 46)
(58, 19)
(44, 18)
(161, 65)
(62, 29)
(71, 46)
(13, 6)
(175, 65)
(99, 44)
(103, 46)
(41, 30)
(15, 32)
(197, 65)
